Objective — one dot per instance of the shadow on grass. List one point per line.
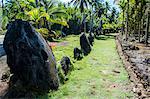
(104, 37)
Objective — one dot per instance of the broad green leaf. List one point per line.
(4, 22)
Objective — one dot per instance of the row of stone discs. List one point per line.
(85, 43)
(66, 65)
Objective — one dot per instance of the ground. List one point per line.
(3, 69)
(100, 75)
(136, 57)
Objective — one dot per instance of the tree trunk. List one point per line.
(85, 26)
(3, 6)
(46, 24)
(140, 22)
(123, 24)
(84, 22)
(36, 2)
(127, 21)
(139, 30)
(147, 28)
(134, 26)
(91, 24)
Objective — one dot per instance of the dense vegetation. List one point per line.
(101, 71)
(53, 18)
(135, 16)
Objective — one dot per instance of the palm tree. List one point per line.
(107, 5)
(81, 4)
(127, 21)
(122, 5)
(134, 15)
(94, 4)
(21, 8)
(15, 9)
(53, 10)
(141, 4)
(147, 28)
(100, 9)
(113, 14)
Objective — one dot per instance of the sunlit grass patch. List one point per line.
(100, 75)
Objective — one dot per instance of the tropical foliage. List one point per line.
(49, 15)
(134, 14)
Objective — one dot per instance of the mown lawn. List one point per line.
(100, 75)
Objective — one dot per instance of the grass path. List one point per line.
(100, 75)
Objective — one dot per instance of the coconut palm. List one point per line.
(55, 12)
(122, 5)
(82, 5)
(94, 4)
(112, 15)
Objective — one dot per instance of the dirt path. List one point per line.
(135, 64)
(3, 69)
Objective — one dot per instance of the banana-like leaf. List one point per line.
(21, 15)
(34, 14)
(59, 21)
(43, 14)
(43, 31)
(4, 22)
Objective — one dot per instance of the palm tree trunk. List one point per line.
(36, 2)
(139, 30)
(46, 24)
(123, 24)
(140, 20)
(135, 27)
(3, 6)
(85, 26)
(147, 28)
(84, 22)
(91, 24)
(127, 21)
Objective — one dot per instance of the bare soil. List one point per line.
(3, 70)
(136, 58)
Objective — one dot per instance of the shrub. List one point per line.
(44, 32)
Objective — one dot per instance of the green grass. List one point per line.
(93, 77)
